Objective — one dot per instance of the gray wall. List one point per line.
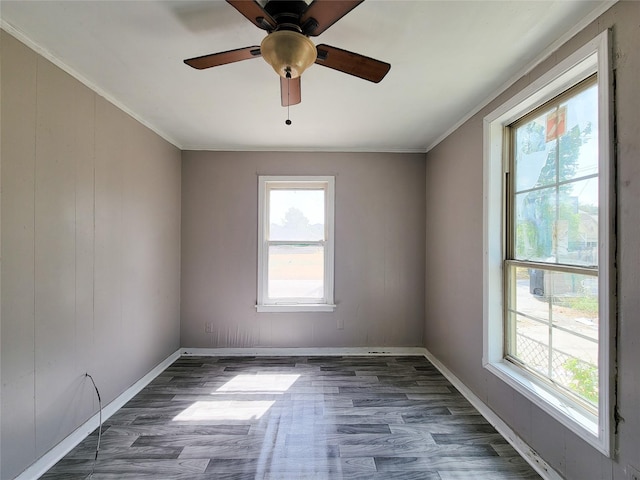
(453, 327)
(90, 253)
(379, 251)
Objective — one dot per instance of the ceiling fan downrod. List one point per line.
(288, 75)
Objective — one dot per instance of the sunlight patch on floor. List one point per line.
(224, 410)
(261, 383)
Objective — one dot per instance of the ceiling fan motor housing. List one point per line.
(288, 52)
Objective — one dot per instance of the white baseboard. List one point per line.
(301, 352)
(530, 455)
(52, 457)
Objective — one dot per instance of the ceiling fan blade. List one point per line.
(222, 58)
(254, 13)
(352, 63)
(325, 13)
(290, 91)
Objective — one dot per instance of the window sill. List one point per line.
(296, 307)
(568, 413)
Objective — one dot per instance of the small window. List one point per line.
(295, 251)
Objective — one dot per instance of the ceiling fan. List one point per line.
(287, 47)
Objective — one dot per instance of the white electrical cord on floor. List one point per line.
(95, 459)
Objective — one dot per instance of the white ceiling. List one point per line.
(447, 59)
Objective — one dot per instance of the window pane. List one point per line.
(577, 229)
(296, 272)
(532, 345)
(578, 310)
(576, 365)
(535, 155)
(296, 215)
(528, 298)
(535, 219)
(578, 142)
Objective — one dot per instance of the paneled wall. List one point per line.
(90, 253)
(453, 327)
(379, 251)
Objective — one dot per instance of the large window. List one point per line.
(550, 290)
(295, 257)
(551, 269)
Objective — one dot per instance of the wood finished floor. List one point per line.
(352, 418)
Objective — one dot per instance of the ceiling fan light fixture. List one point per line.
(288, 52)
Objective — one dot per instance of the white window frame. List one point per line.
(265, 184)
(594, 57)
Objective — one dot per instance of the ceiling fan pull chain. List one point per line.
(288, 121)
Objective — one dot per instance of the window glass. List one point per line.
(296, 271)
(556, 186)
(534, 156)
(535, 218)
(553, 328)
(296, 214)
(577, 225)
(578, 143)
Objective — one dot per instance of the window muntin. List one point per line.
(551, 266)
(296, 243)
